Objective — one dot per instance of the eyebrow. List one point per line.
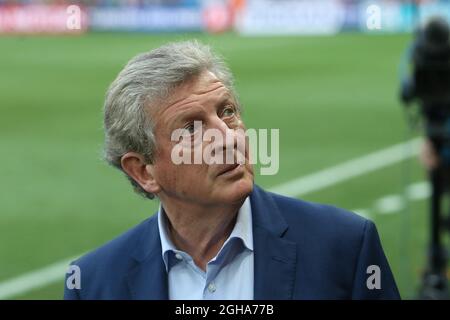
(224, 100)
(193, 111)
(181, 116)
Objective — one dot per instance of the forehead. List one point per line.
(201, 90)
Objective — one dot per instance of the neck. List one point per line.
(200, 230)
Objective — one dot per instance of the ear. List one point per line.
(135, 166)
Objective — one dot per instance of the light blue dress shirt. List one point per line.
(229, 275)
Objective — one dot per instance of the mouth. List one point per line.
(230, 169)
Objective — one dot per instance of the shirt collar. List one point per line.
(242, 230)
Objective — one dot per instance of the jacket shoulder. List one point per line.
(330, 234)
(114, 249)
(105, 268)
(332, 219)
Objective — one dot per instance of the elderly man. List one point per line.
(216, 235)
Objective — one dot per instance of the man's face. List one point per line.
(204, 99)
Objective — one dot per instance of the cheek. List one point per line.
(165, 169)
(179, 176)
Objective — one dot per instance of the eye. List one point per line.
(228, 112)
(190, 127)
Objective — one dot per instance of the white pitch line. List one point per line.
(34, 279)
(393, 203)
(362, 212)
(297, 187)
(419, 191)
(390, 204)
(349, 169)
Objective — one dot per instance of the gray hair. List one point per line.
(143, 82)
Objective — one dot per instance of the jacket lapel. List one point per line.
(147, 280)
(275, 258)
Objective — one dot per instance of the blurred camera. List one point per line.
(430, 57)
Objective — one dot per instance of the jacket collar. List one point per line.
(147, 280)
(266, 213)
(275, 257)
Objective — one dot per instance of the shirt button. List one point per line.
(178, 256)
(211, 287)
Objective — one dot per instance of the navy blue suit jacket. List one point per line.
(302, 250)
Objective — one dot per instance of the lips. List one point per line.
(228, 168)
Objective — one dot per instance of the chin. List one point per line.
(237, 191)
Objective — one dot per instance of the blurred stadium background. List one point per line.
(317, 70)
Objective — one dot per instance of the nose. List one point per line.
(228, 133)
(231, 146)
